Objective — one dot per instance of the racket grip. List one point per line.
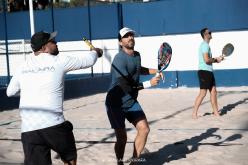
(88, 43)
(157, 74)
(222, 56)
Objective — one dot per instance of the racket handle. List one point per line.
(223, 56)
(157, 74)
(88, 43)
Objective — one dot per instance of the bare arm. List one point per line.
(153, 81)
(146, 71)
(209, 60)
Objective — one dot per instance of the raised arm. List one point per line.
(146, 71)
(84, 61)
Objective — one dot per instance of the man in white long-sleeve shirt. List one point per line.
(40, 82)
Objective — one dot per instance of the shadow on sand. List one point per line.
(230, 107)
(180, 149)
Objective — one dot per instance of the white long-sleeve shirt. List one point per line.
(40, 82)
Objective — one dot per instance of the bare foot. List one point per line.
(194, 116)
(216, 114)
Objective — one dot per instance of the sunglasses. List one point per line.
(209, 33)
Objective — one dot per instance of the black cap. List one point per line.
(41, 38)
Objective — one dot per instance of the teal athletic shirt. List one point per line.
(204, 48)
(121, 92)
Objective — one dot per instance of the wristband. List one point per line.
(214, 60)
(146, 84)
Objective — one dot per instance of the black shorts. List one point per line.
(117, 115)
(37, 144)
(121, 106)
(206, 79)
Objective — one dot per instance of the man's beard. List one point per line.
(55, 52)
(130, 44)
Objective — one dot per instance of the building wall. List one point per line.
(149, 19)
(174, 21)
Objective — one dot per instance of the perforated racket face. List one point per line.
(164, 56)
(228, 49)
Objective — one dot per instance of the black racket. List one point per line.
(227, 50)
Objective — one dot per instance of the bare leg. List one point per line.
(198, 102)
(213, 98)
(121, 140)
(141, 137)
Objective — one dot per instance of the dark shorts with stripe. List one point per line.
(117, 116)
(120, 107)
(206, 79)
(37, 144)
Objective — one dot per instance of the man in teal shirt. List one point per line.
(205, 74)
(121, 100)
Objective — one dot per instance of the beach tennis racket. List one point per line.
(164, 57)
(227, 50)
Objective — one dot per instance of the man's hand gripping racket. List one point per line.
(164, 58)
(98, 50)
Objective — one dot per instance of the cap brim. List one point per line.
(52, 35)
(129, 32)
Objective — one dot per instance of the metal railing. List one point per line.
(17, 52)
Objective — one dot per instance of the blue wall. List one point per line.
(71, 23)
(223, 78)
(149, 19)
(185, 16)
(73, 89)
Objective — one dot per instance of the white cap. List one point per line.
(125, 30)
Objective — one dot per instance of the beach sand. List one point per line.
(175, 138)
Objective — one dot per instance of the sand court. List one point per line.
(175, 138)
